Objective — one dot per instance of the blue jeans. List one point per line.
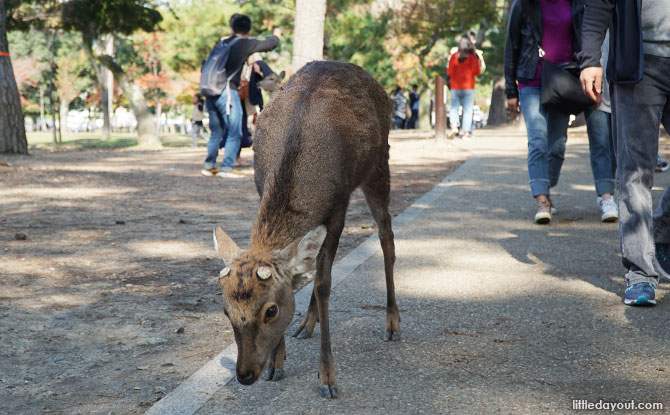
(220, 124)
(399, 123)
(547, 131)
(601, 149)
(466, 99)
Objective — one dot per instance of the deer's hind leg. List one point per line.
(377, 191)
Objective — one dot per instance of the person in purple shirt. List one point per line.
(546, 127)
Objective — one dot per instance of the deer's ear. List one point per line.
(302, 254)
(282, 74)
(226, 247)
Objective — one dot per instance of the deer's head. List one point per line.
(272, 82)
(258, 295)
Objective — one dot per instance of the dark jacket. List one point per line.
(623, 18)
(521, 52)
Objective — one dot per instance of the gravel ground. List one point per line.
(109, 297)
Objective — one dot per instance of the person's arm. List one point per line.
(476, 66)
(482, 64)
(264, 45)
(597, 19)
(512, 50)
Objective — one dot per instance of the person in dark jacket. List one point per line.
(639, 73)
(546, 127)
(225, 110)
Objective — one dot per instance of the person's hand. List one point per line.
(257, 69)
(592, 82)
(277, 32)
(513, 105)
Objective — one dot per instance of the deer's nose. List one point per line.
(246, 379)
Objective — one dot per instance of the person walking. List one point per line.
(196, 119)
(546, 127)
(399, 108)
(462, 69)
(639, 71)
(601, 148)
(414, 106)
(225, 110)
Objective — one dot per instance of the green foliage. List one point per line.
(359, 38)
(192, 29)
(93, 18)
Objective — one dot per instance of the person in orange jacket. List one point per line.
(463, 67)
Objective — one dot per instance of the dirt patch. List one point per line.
(109, 297)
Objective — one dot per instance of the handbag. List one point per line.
(243, 89)
(562, 90)
(560, 85)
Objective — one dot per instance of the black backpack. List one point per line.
(213, 77)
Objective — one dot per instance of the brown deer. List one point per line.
(324, 135)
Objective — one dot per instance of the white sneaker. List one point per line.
(231, 174)
(453, 133)
(610, 211)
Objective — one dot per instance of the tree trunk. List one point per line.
(12, 126)
(52, 66)
(41, 125)
(310, 16)
(498, 108)
(109, 87)
(104, 104)
(145, 121)
(62, 117)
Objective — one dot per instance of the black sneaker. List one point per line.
(662, 260)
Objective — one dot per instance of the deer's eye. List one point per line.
(270, 313)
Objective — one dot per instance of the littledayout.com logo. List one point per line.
(583, 404)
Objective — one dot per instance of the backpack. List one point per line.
(213, 76)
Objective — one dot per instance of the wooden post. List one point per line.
(440, 111)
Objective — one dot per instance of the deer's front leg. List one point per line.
(327, 384)
(275, 368)
(322, 282)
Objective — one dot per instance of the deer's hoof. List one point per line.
(393, 337)
(278, 375)
(302, 333)
(268, 373)
(273, 374)
(328, 391)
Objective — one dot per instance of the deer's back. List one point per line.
(317, 140)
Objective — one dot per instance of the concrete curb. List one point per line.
(195, 391)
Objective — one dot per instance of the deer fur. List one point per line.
(321, 137)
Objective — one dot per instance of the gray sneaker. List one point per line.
(609, 209)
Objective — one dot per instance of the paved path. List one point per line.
(499, 315)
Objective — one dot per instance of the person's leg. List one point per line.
(194, 133)
(536, 127)
(468, 107)
(599, 130)
(414, 119)
(662, 213)
(398, 123)
(637, 116)
(557, 132)
(215, 125)
(199, 129)
(233, 122)
(453, 109)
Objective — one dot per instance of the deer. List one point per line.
(323, 135)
